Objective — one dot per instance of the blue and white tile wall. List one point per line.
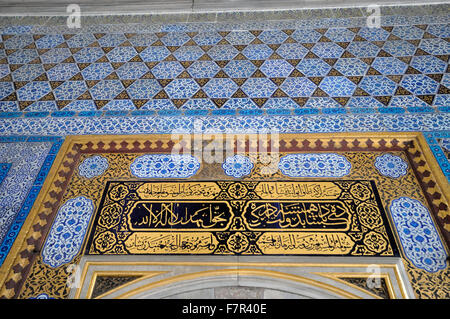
(292, 75)
(28, 160)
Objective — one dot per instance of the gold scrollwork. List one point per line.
(105, 241)
(118, 192)
(375, 242)
(361, 191)
(369, 215)
(238, 242)
(110, 216)
(237, 190)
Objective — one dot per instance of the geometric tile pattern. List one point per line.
(392, 69)
(421, 186)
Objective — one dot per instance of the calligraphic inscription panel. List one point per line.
(337, 217)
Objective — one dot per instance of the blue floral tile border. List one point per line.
(438, 151)
(36, 174)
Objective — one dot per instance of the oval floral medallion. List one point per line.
(418, 235)
(93, 166)
(165, 166)
(314, 165)
(67, 233)
(237, 166)
(391, 166)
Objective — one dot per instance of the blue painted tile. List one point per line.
(90, 113)
(305, 111)
(63, 113)
(143, 113)
(186, 88)
(188, 53)
(239, 68)
(196, 112)
(378, 85)
(419, 84)
(53, 139)
(121, 54)
(327, 50)
(420, 109)
(12, 139)
(337, 86)
(389, 65)
(298, 87)
(115, 113)
(292, 51)
(106, 89)
(391, 110)
(408, 32)
(63, 72)
(313, 67)
(167, 69)
(223, 112)
(40, 178)
(276, 68)
(240, 103)
(278, 111)
(97, 71)
(88, 55)
(36, 114)
(444, 109)
(359, 110)
(158, 104)
(256, 52)
(351, 67)
(428, 64)
(55, 147)
(10, 114)
(33, 91)
(28, 72)
(251, 112)
(207, 38)
(220, 88)
(23, 56)
(399, 48)
(170, 112)
(4, 168)
(334, 110)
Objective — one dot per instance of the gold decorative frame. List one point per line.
(27, 243)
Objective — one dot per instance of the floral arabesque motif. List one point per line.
(93, 166)
(165, 166)
(67, 233)
(391, 166)
(237, 166)
(418, 235)
(314, 165)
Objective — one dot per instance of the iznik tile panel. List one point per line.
(399, 67)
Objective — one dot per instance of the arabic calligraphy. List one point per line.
(289, 217)
(168, 243)
(306, 214)
(146, 215)
(305, 243)
(187, 190)
(292, 190)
